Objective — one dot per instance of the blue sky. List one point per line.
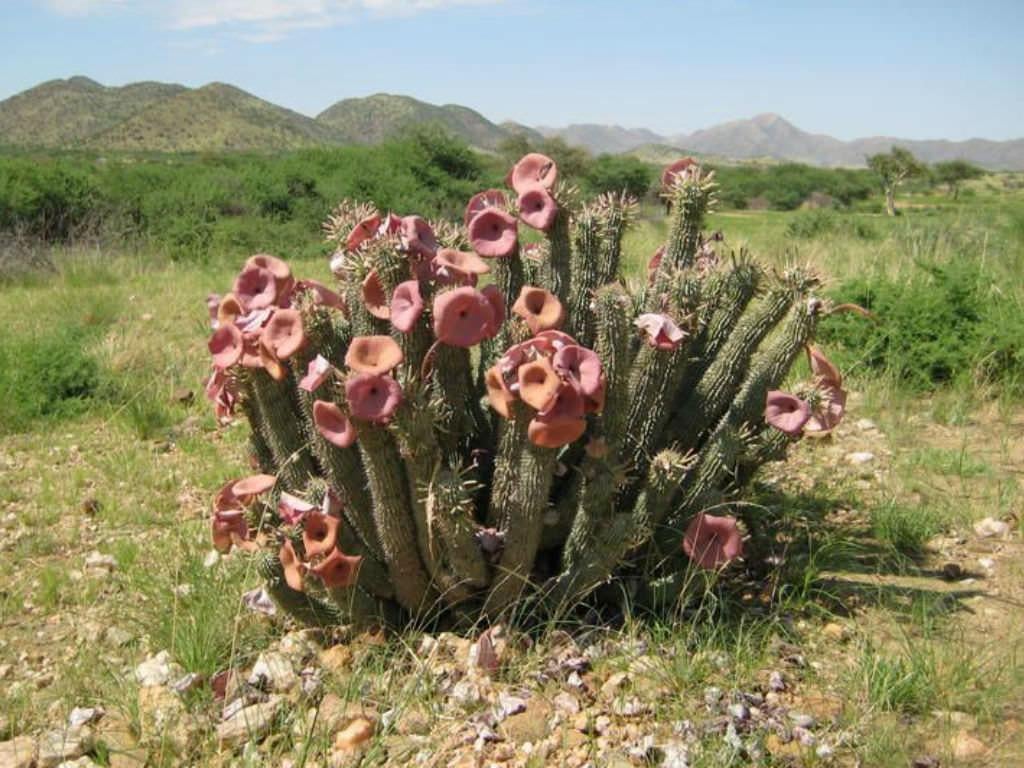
(902, 68)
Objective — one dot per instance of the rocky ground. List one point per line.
(799, 686)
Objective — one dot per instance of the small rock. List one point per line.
(712, 697)
(926, 761)
(989, 527)
(776, 682)
(212, 558)
(337, 659)
(90, 506)
(631, 707)
(118, 636)
(530, 725)
(865, 425)
(186, 683)
(509, 705)
(964, 746)
(952, 572)
(801, 720)
(613, 684)
(84, 716)
(56, 747)
(258, 601)
(466, 693)
(566, 703)
(18, 753)
(987, 563)
(835, 631)
(857, 458)
(251, 723)
(163, 717)
(183, 396)
(181, 590)
(273, 672)
(739, 711)
(157, 670)
(356, 733)
(96, 561)
(82, 762)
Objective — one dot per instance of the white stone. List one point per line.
(274, 672)
(860, 457)
(84, 716)
(249, 724)
(865, 425)
(100, 562)
(158, 670)
(989, 527)
(56, 747)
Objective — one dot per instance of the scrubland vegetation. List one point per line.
(105, 263)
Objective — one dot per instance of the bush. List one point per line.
(819, 223)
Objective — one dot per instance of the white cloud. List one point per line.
(261, 20)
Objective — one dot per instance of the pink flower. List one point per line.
(566, 405)
(538, 383)
(537, 208)
(825, 372)
(459, 267)
(322, 295)
(539, 308)
(228, 528)
(319, 533)
(373, 354)
(711, 542)
(317, 372)
(828, 413)
(333, 425)
(493, 233)
(786, 412)
(406, 305)
(283, 334)
(363, 231)
(491, 198)
(417, 237)
(278, 268)
(338, 570)
(292, 509)
(661, 330)
(248, 488)
(255, 288)
(677, 169)
(532, 170)
(374, 298)
(463, 317)
(372, 397)
(580, 365)
(226, 346)
(294, 569)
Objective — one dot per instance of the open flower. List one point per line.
(228, 528)
(363, 231)
(676, 170)
(493, 233)
(283, 334)
(278, 268)
(828, 412)
(537, 208)
(255, 288)
(490, 198)
(406, 305)
(417, 236)
(580, 365)
(566, 404)
(463, 317)
(317, 372)
(374, 297)
(373, 397)
(292, 509)
(786, 412)
(533, 169)
(459, 267)
(541, 309)
(662, 331)
(248, 488)
(554, 434)
(294, 569)
(711, 542)
(319, 533)
(373, 354)
(333, 425)
(538, 383)
(226, 346)
(338, 570)
(498, 395)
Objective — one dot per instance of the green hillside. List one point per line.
(66, 113)
(212, 118)
(375, 118)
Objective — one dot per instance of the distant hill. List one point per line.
(382, 116)
(65, 113)
(212, 118)
(81, 113)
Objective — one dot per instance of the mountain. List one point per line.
(212, 118)
(375, 118)
(64, 113)
(612, 139)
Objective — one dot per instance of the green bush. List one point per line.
(818, 223)
(786, 186)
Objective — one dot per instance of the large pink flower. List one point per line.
(537, 208)
(786, 412)
(711, 542)
(283, 334)
(278, 268)
(372, 397)
(463, 317)
(532, 170)
(828, 413)
(406, 305)
(319, 533)
(493, 233)
(490, 198)
(661, 330)
(292, 509)
(417, 237)
(453, 267)
(373, 354)
(539, 308)
(824, 370)
(363, 231)
(374, 297)
(226, 346)
(333, 425)
(581, 365)
(255, 288)
(338, 570)
(677, 169)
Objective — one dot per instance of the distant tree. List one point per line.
(573, 162)
(953, 173)
(893, 168)
(514, 147)
(618, 173)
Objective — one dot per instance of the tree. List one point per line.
(619, 173)
(893, 168)
(953, 173)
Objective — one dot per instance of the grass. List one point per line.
(840, 547)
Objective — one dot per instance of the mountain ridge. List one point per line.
(79, 112)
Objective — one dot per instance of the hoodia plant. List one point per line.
(468, 425)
